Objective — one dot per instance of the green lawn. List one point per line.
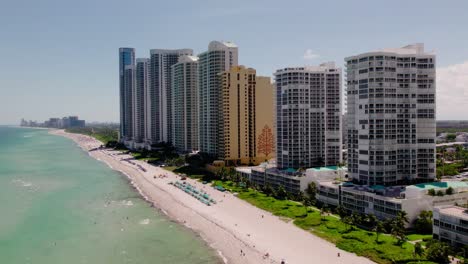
(331, 228)
(415, 237)
(170, 168)
(139, 156)
(101, 133)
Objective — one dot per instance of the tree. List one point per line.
(398, 232)
(308, 201)
(311, 190)
(451, 137)
(199, 160)
(418, 249)
(341, 212)
(440, 193)
(402, 216)
(423, 223)
(323, 211)
(222, 173)
(398, 227)
(371, 221)
(379, 229)
(348, 221)
(281, 193)
(437, 251)
(299, 197)
(449, 191)
(356, 218)
(268, 190)
(179, 161)
(431, 192)
(266, 142)
(463, 251)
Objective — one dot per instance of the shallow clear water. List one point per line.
(58, 205)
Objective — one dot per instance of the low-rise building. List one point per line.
(386, 202)
(450, 224)
(293, 181)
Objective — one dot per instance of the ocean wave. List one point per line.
(222, 256)
(144, 221)
(127, 203)
(22, 183)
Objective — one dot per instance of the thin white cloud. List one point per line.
(310, 55)
(452, 92)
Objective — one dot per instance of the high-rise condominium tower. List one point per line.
(246, 137)
(161, 92)
(221, 56)
(139, 100)
(391, 116)
(129, 86)
(185, 103)
(126, 57)
(308, 116)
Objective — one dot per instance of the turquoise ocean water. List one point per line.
(58, 205)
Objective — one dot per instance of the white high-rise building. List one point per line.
(308, 116)
(391, 116)
(185, 104)
(160, 93)
(221, 56)
(139, 101)
(126, 57)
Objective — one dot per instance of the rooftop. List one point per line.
(220, 45)
(456, 211)
(434, 185)
(171, 51)
(323, 67)
(412, 49)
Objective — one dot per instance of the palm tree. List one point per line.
(356, 218)
(371, 220)
(418, 249)
(403, 216)
(398, 227)
(348, 221)
(379, 229)
(324, 210)
(341, 211)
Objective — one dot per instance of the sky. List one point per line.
(60, 57)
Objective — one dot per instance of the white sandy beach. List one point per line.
(229, 226)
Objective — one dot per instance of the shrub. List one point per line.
(449, 191)
(431, 192)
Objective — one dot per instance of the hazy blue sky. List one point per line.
(60, 57)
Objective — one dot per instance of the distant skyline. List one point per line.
(61, 57)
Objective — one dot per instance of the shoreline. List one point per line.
(238, 231)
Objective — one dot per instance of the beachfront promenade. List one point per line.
(230, 226)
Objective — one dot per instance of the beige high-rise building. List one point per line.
(247, 136)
